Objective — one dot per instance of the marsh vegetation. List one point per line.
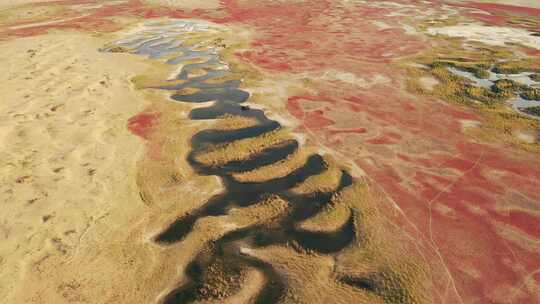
(281, 201)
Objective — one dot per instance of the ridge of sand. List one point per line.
(67, 167)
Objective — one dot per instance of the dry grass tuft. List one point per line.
(221, 280)
(327, 181)
(222, 79)
(266, 210)
(147, 81)
(533, 111)
(243, 149)
(330, 219)
(275, 170)
(376, 258)
(531, 94)
(234, 122)
(516, 66)
(501, 121)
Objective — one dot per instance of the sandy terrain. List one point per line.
(67, 167)
(95, 214)
(7, 3)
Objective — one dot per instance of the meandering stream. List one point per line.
(160, 41)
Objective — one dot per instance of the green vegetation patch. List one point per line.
(276, 170)
(478, 69)
(533, 111)
(332, 218)
(243, 149)
(506, 86)
(531, 94)
(501, 122)
(460, 89)
(325, 182)
(515, 67)
(234, 122)
(531, 23)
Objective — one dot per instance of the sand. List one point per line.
(67, 165)
(83, 198)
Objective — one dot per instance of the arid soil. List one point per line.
(68, 164)
(267, 152)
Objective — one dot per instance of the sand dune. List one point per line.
(67, 166)
(221, 202)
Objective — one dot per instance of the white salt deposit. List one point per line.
(492, 35)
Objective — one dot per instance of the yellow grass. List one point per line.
(227, 77)
(147, 81)
(243, 149)
(275, 170)
(501, 122)
(330, 219)
(268, 209)
(234, 122)
(517, 66)
(376, 253)
(327, 181)
(311, 277)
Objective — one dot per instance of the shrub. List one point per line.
(514, 67)
(505, 86)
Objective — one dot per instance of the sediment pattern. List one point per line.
(278, 198)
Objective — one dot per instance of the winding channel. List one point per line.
(164, 42)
